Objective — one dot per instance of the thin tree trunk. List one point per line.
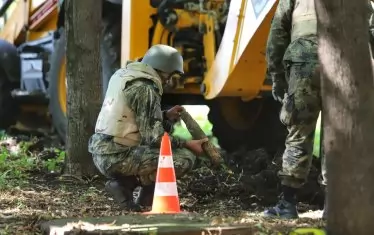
(83, 25)
(348, 105)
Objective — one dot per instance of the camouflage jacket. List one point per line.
(145, 101)
(279, 47)
(281, 50)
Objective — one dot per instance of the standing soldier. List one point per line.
(292, 58)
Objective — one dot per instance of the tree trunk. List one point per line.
(348, 105)
(83, 71)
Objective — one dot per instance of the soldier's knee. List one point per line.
(184, 161)
(100, 165)
(300, 108)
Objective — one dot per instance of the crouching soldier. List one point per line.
(130, 126)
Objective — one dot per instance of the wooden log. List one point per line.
(197, 134)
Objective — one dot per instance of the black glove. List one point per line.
(279, 89)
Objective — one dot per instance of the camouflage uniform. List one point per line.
(295, 62)
(292, 60)
(113, 159)
(292, 57)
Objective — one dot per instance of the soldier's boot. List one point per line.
(122, 191)
(286, 206)
(145, 197)
(283, 210)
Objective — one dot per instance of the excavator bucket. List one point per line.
(241, 55)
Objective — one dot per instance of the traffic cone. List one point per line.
(165, 198)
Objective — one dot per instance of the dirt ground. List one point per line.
(237, 194)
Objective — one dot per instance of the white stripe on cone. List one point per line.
(166, 189)
(165, 162)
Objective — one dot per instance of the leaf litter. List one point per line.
(234, 194)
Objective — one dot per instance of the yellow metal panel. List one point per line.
(44, 18)
(209, 40)
(185, 19)
(35, 4)
(248, 75)
(135, 29)
(189, 88)
(13, 30)
(220, 70)
(49, 25)
(239, 67)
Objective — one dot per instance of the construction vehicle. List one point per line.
(223, 44)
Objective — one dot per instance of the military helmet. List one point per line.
(164, 58)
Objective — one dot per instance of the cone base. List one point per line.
(162, 213)
(165, 205)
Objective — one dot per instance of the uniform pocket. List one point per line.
(287, 112)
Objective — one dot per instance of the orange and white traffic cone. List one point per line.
(165, 198)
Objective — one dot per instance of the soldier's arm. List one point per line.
(168, 125)
(143, 99)
(279, 38)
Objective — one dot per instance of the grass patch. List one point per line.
(17, 163)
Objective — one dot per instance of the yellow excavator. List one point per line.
(222, 42)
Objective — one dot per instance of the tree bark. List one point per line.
(348, 105)
(83, 71)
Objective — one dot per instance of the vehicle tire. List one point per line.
(57, 87)
(57, 79)
(8, 106)
(252, 125)
(10, 74)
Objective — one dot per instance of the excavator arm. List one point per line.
(223, 42)
(27, 20)
(239, 66)
(16, 16)
(223, 45)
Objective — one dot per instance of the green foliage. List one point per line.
(317, 134)
(55, 164)
(16, 166)
(181, 131)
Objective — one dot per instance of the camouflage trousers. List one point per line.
(299, 113)
(142, 162)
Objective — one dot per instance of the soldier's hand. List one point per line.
(195, 146)
(279, 89)
(173, 114)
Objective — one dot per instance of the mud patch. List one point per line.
(249, 183)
